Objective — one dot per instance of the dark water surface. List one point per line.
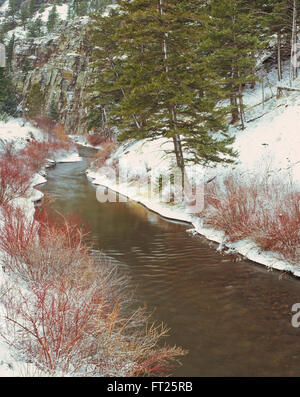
(233, 317)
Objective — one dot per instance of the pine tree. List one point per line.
(10, 50)
(166, 86)
(280, 18)
(26, 66)
(232, 44)
(34, 102)
(8, 102)
(35, 28)
(33, 7)
(24, 15)
(52, 19)
(105, 70)
(53, 111)
(42, 8)
(80, 7)
(70, 12)
(13, 7)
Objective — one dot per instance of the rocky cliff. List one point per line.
(59, 63)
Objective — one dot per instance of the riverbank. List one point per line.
(247, 248)
(64, 311)
(18, 133)
(182, 280)
(268, 148)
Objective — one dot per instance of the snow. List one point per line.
(109, 8)
(19, 131)
(83, 141)
(68, 158)
(62, 11)
(20, 32)
(270, 142)
(4, 6)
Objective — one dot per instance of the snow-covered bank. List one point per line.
(82, 140)
(19, 132)
(269, 144)
(246, 248)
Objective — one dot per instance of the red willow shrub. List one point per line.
(71, 228)
(46, 124)
(103, 154)
(95, 139)
(105, 135)
(36, 248)
(36, 153)
(15, 178)
(56, 326)
(68, 329)
(17, 231)
(263, 208)
(53, 131)
(74, 317)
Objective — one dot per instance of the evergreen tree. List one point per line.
(105, 70)
(232, 43)
(53, 111)
(10, 50)
(33, 7)
(52, 19)
(8, 25)
(8, 102)
(167, 87)
(70, 12)
(26, 66)
(42, 8)
(35, 28)
(24, 15)
(80, 7)
(278, 20)
(34, 102)
(13, 7)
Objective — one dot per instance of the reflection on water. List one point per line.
(233, 317)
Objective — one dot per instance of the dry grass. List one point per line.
(103, 154)
(69, 313)
(15, 179)
(261, 207)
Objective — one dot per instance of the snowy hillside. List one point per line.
(27, 23)
(43, 15)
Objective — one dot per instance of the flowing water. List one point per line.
(233, 317)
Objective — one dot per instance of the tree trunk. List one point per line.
(123, 92)
(176, 138)
(177, 144)
(293, 61)
(279, 56)
(234, 110)
(240, 97)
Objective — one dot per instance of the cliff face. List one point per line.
(59, 64)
